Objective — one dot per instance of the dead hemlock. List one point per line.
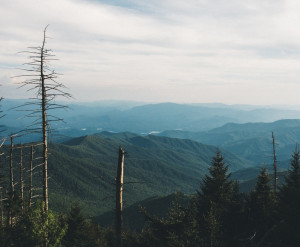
(42, 79)
(119, 197)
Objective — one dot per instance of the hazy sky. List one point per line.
(160, 50)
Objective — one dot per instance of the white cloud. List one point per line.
(172, 50)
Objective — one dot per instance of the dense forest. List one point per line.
(216, 215)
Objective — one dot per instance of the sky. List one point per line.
(232, 52)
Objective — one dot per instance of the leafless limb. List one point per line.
(41, 79)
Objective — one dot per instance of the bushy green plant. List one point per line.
(37, 228)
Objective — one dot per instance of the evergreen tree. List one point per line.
(290, 203)
(218, 205)
(261, 207)
(212, 228)
(80, 232)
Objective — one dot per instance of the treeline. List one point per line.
(218, 215)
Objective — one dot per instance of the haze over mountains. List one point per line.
(174, 157)
(240, 129)
(118, 116)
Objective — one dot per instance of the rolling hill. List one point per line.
(252, 141)
(83, 169)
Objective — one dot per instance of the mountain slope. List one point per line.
(252, 141)
(84, 168)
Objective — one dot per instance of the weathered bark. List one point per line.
(44, 123)
(274, 164)
(11, 171)
(21, 179)
(12, 189)
(1, 204)
(43, 81)
(119, 196)
(30, 177)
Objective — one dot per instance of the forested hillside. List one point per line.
(252, 141)
(217, 213)
(84, 169)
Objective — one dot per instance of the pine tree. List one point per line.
(79, 229)
(218, 202)
(261, 207)
(290, 203)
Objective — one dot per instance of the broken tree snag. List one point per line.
(44, 122)
(21, 179)
(274, 164)
(30, 177)
(11, 178)
(11, 172)
(1, 205)
(119, 196)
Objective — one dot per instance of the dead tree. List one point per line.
(41, 79)
(30, 177)
(274, 164)
(2, 139)
(119, 196)
(1, 116)
(11, 180)
(21, 178)
(2, 211)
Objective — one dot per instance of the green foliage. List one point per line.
(212, 231)
(290, 203)
(85, 168)
(218, 205)
(250, 141)
(217, 187)
(37, 227)
(169, 231)
(80, 232)
(13, 203)
(261, 207)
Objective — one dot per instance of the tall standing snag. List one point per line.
(30, 177)
(42, 80)
(21, 178)
(119, 196)
(274, 164)
(11, 180)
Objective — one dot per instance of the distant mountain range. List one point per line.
(252, 141)
(118, 116)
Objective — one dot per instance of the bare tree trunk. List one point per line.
(119, 197)
(44, 123)
(21, 178)
(275, 165)
(2, 214)
(43, 81)
(30, 177)
(11, 165)
(12, 189)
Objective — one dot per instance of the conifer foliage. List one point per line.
(261, 207)
(290, 203)
(218, 205)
